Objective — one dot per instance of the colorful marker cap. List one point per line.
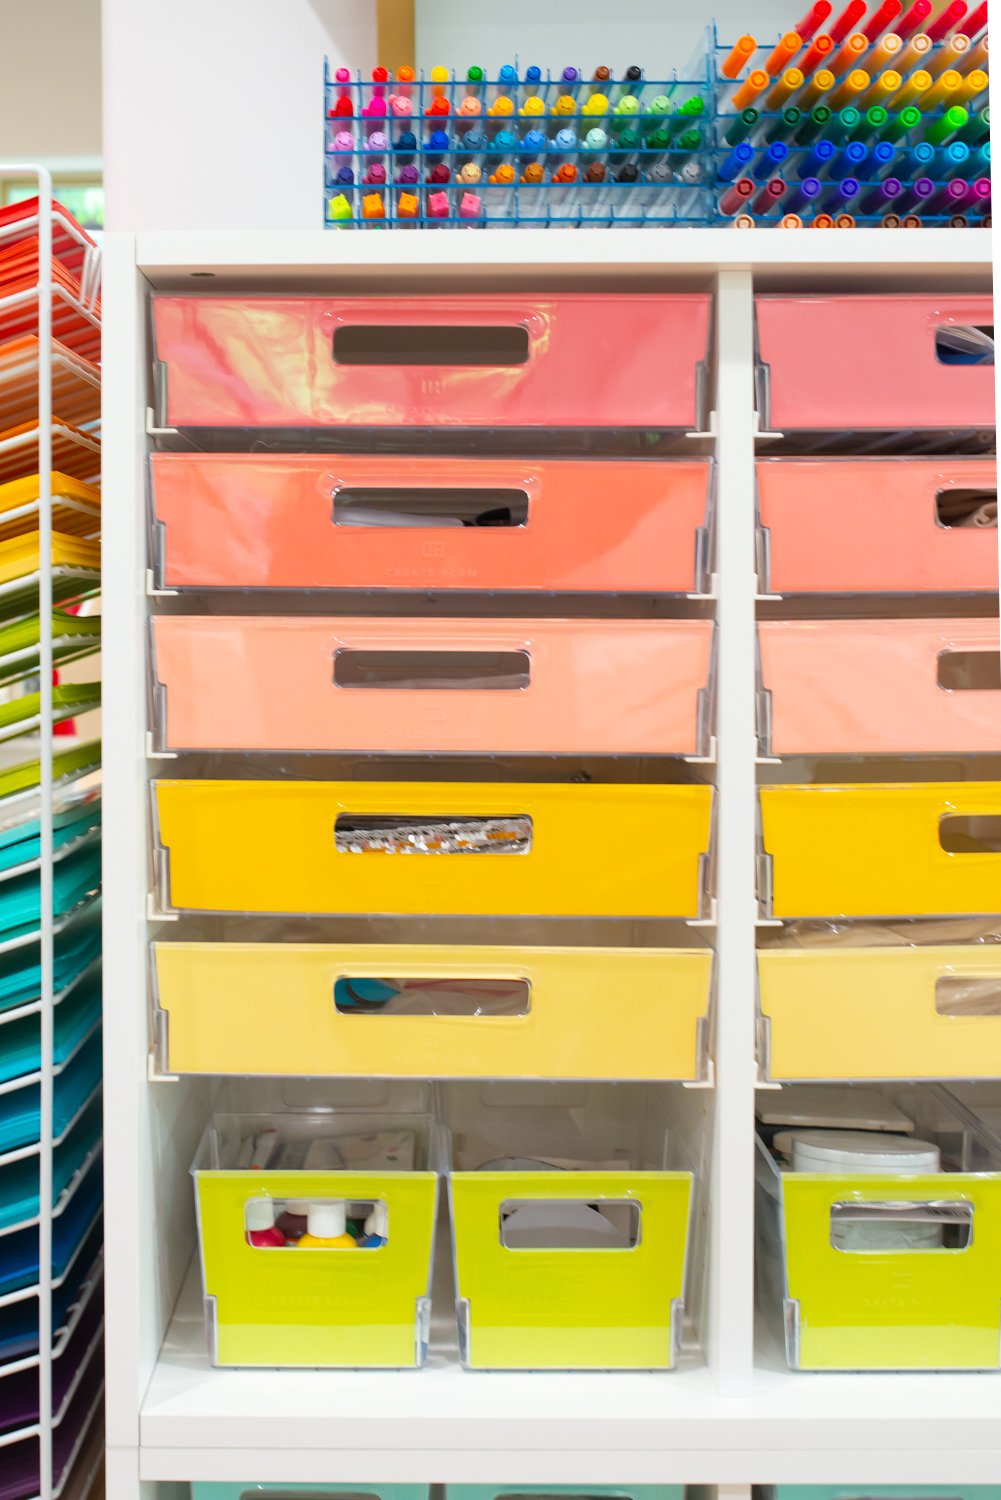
(406, 141)
(339, 208)
(344, 109)
(533, 173)
(661, 105)
(566, 173)
(474, 75)
(596, 140)
(372, 206)
(629, 140)
(440, 173)
(570, 75)
(533, 75)
(595, 172)
(629, 173)
(438, 140)
(504, 175)
(345, 177)
(475, 140)
(627, 105)
(438, 106)
(533, 105)
(344, 141)
(400, 105)
(470, 206)
(377, 141)
(409, 175)
(343, 75)
(376, 174)
(439, 75)
(407, 206)
(661, 172)
(596, 105)
(502, 106)
(507, 74)
(470, 172)
(565, 105)
(505, 140)
(380, 75)
(565, 140)
(657, 140)
(470, 106)
(438, 205)
(534, 140)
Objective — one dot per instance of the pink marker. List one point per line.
(400, 105)
(378, 141)
(344, 141)
(376, 175)
(947, 21)
(470, 206)
(375, 109)
(437, 205)
(343, 75)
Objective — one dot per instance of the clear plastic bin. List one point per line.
(570, 1250)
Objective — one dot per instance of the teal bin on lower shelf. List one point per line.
(581, 1491)
(203, 1490)
(878, 1492)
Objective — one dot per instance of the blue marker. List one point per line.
(565, 140)
(345, 177)
(820, 158)
(376, 1228)
(852, 157)
(533, 75)
(535, 141)
(922, 155)
(984, 154)
(438, 141)
(882, 155)
(474, 140)
(735, 164)
(504, 141)
(406, 141)
(595, 140)
(806, 193)
(770, 161)
(952, 158)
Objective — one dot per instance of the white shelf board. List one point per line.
(442, 1423)
(173, 258)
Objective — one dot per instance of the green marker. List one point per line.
(785, 125)
(629, 140)
(659, 139)
(741, 127)
(898, 125)
(475, 75)
(817, 121)
(693, 106)
(339, 209)
(690, 140)
(954, 119)
(847, 123)
(875, 118)
(977, 129)
(661, 105)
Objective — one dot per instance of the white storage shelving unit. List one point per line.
(736, 1416)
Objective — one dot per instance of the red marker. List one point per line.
(814, 19)
(977, 21)
(947, 21)
(735, 197)
(888, 11)
(821, 50)
(380, 77)
(845, 23)
(342, 109)
(914, 20)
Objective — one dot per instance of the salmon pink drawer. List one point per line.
(876, 525)
(865, 850)
(257, 520)
(910, 687)
(438, 848)
(870, 362)
(509, 687)
(568, 360)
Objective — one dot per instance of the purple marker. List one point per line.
(344, 141)
(847, 189)
(408, 175)
(882, 198)
(345, 177)
(570, 75)
(377, 141)
(807, 190)
(922, 188)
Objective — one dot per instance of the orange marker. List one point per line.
(790, 221)
(856, 83)
(791, 80)
(917, 53)
(784, 53)
(885, 53)
(566, 173)
(533, 173)
(820, 84)
(850, 55)
(504, 176)
(819, 52)
(502, 105)
(941, 92)
(823, 221)
(914, 90)
(740, 55)
(844, 221)
(405, 76)
(744, 221)
(977, 55)
(750, 89)
(407, 206)
(372, 206)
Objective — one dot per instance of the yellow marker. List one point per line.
(915, 90)
(502, 106)
(885, 53)
(784, 53)
(953, 53)
(973, 84)
(743, 50)
(533, 105)
(856, 83)
(750, 89)
(596, 105)
(791, 80)
(438, 77)
(917, 53)
(942, 91)
(821, 82)
(885, 85)
(850, 55)
(565, 105)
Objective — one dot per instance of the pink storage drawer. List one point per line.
(872, 525)
(845, 687)
(261, 521)
(869, 362)
(425, 686)
(565, 360)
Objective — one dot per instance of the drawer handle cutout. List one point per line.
(431, 997)
(979, 833)
(965, 344)
(569, 1224)
(967, 508)
(384, 834)
(431, 510)
(969, 671)
(430, 344)
(861, 1228)
(268, 1222)
(968, 995)
(432, 671)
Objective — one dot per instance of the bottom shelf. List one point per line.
(446, 1424)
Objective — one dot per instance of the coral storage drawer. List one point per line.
(847, 687)
(491, 361)
(865, 850)
(452, 848)
(395, 1010)
(877, 525)
(931, 1011)
(262, 520)
(433, 686)
(876, 362)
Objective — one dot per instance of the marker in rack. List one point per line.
(914, 19)
(848, 19)
(814, 19)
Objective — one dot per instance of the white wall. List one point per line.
(50, 105)
(213, 109)
(658, 35)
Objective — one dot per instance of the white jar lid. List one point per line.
(327, 1221)
(260, 1214)
(861, 1152)
(298, 1207)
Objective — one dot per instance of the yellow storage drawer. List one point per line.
(459, 848)
(916, 1012)
(324, 1009)
(863, 850)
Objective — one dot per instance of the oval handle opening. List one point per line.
(497, 671)
(979, 833)
(969, 671)
(430, 509)
(965, 344)
(975, 508)
(968, 995)
(569, 1224)
(391, 834)
(428, 996)
(430, 344)
(909, 1226)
